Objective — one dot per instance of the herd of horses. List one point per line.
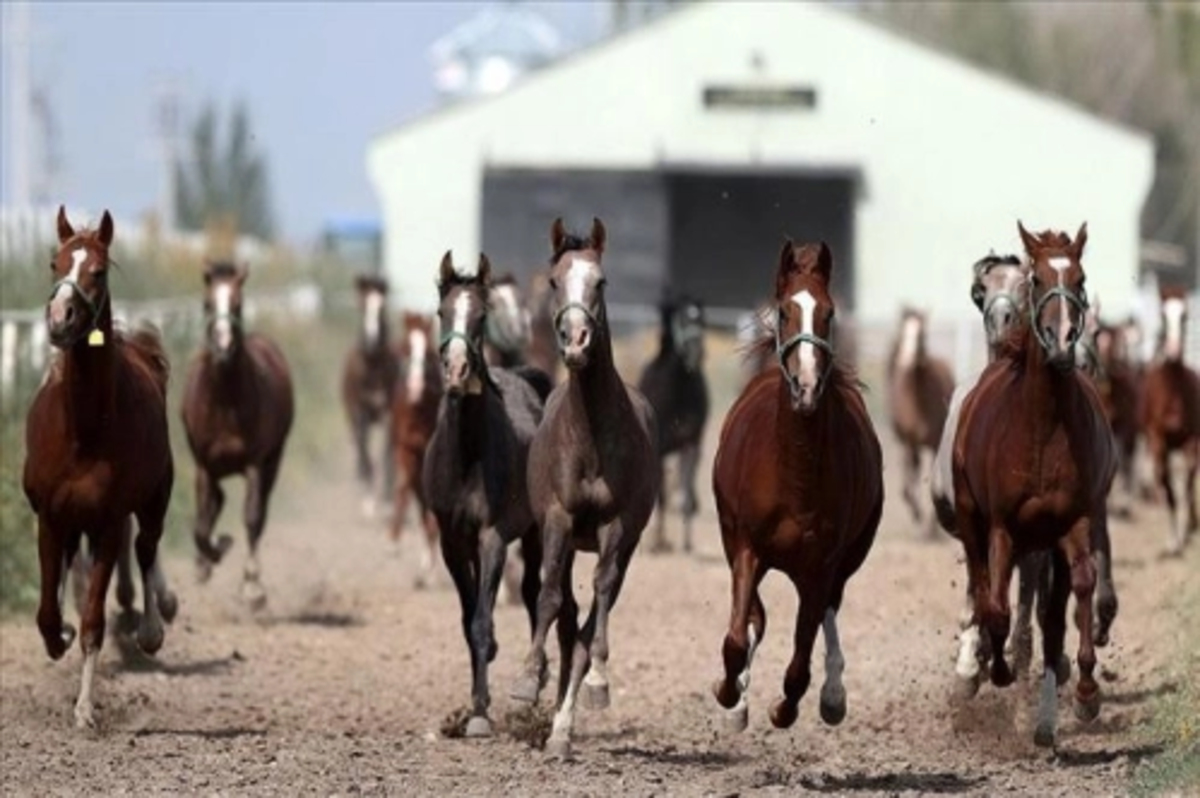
(507, 422)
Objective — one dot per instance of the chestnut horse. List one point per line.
(369, 376)
(414, 417)
(1033, 460)
(1170, 416)
(474, 472)
(237, 412)
(919, 390)
(97, 454)
(593, 482)
(798, 480)
(674, 384)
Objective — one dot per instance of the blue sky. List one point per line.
(321, 79)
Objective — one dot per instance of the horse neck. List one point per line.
(231, 376)
(377, 351)
(89, 373)
(593, 389)
(1045, 394)
(802, 439)
(466, 430)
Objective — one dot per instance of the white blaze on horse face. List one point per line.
(462, 312)
(807, 303)
(910, 335)
(372, 308)
(576, 284)
(68, 285)
(1172, 311)
(1060, 264)
(223, 328)
(418, 345)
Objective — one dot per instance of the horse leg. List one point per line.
(209, 501)
(106, 543)
(1028, 568)
(403, 494)
(364, 468)
(388, 462)
(1162, 475)
(1192, 452)
(813, 603)
(556, 563)
(1106, 591)
(574, 647)
(489, 567)
(160, 604)
(833, 692)
(79, 563)
(1077, 545)
(125, 590)
(997, 618)
(689, 463)
(56, 635)
(531, 577)
(615, 553)
(260, 481)
(1053, 618)
(458, 554)
(661, 545)
(428, 554)
(742, 639)
(567, 629)
(912, 475)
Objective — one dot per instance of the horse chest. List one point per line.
(81, 494)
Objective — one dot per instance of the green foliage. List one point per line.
(227, 184)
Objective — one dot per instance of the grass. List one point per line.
(1175, 723)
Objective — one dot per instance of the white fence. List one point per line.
(24, 345)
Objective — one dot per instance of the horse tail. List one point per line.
(537, 379)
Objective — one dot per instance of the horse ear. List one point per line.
(558, 235)
(1026, 238)
(1080, 241)
(65, 230)
(208, 274)
(105, 233)
(599, 235)
(787, 257)
(360, 282)
(241, 273)
(446, 273)
(484, 272)
(824, 261)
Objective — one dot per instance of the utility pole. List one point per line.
(19, 94)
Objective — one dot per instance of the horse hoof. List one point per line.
(783, 714)
(224, 544)
(559, 747)
(68, 637)
(84, 717)
(150, 638)
(833, 706)
(1043, 735)
(168, 605)
(736, 720)
(1002, 675)
(479, 726)
(966, 687)
(525, 689)
(595, 696)
(1100, 638)
(1087, 709)
(1063, 672)
(128, 622)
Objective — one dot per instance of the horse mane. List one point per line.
(992, 260)
(572, 242)
(507, 278)
(145, 341)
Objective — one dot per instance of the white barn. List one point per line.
(705, 136)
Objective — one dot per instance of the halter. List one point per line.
(1012, 300)
(1078, 301)
(591, 317)
(689, 330)
(94, 308)
(783, 348)
(453, 335)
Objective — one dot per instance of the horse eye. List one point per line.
(603, 282)
(553, 284)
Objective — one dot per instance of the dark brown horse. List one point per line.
(543, 338)
(1117, 381)
(414, 417)
(475, 469)
(237, 412)
(97, 454)
(798, 481)
(919, 390)
(1171, 416)
(593, 481)
(1033, 460)
(675, 385)
(368, 382)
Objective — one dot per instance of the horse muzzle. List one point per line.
(574, 344)
(64, 323)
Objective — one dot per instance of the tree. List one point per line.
(228, 185)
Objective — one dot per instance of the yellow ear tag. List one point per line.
(96, 338)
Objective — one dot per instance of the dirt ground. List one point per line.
(342, 685)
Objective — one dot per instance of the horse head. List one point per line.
(1057, 294)
(804, 321)
(910, 340)
(223, 284)
(372, 293)
(1173, 308)
(682, 320)
(79, 299)
(1000, 290)
(462, 313)
(508, 320)
(578, 281)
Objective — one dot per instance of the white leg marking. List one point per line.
(835, 662)
(967, 666)
(597, 675)
(418, 347)
(84, 716)
(564, 719)
(744, 677)
(910, 331)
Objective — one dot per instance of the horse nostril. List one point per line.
(584, 335)
(69, 315)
